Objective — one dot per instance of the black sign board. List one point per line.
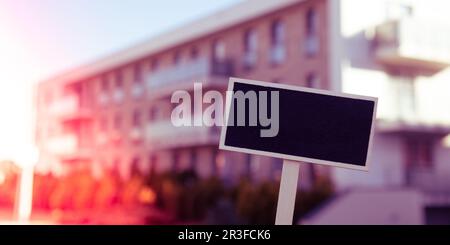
(314, 126)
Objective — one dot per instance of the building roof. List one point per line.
(245, 11)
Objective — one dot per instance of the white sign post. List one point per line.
(287, 193)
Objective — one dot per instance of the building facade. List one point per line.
(115, 113)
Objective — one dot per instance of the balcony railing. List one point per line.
(68, 147)
(429, 180)
(69, 108)
(164, 134)
(200, 70)
(413, 43)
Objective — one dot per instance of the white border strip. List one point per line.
(223, 132)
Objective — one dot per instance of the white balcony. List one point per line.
(67, 148)
(164, 134)
(413, 43)
(429, 180)
(183, 76)
(69, 108)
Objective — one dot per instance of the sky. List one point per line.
(39, 39)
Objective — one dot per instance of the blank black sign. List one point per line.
(314, 126)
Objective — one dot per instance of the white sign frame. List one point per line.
(223, 132)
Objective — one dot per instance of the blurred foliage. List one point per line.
(180, 197)
(186, 197)
(80, 191)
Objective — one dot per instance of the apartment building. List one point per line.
(398, 51)
(115, 112)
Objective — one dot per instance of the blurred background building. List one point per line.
(114, 114)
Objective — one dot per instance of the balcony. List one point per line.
(183, 76)
(414, 129)
(68, 109)
(429, 180)
(413, 44)
(68, 148)
(163, 135)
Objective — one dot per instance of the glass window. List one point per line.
(119, 80)
(250, 48)
(250, 41)
(153, 113)
(194, 53)
(137, 73)
(177, 57)
(154, 64)
(312, 33)
(218, 50)
(104, 84)
(278, 51)
(277, 33)
(311, 22)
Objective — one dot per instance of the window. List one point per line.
(218, 51)
(119, 80)
(136, 120)
(137, 73)
(312, 80)
(194, 53)
(419, 154)
(177, 58)
(250, 48)
(277, 33)
(312, 26)
(153, 113)
(154, 64)
(278, 51)
(104, 84)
